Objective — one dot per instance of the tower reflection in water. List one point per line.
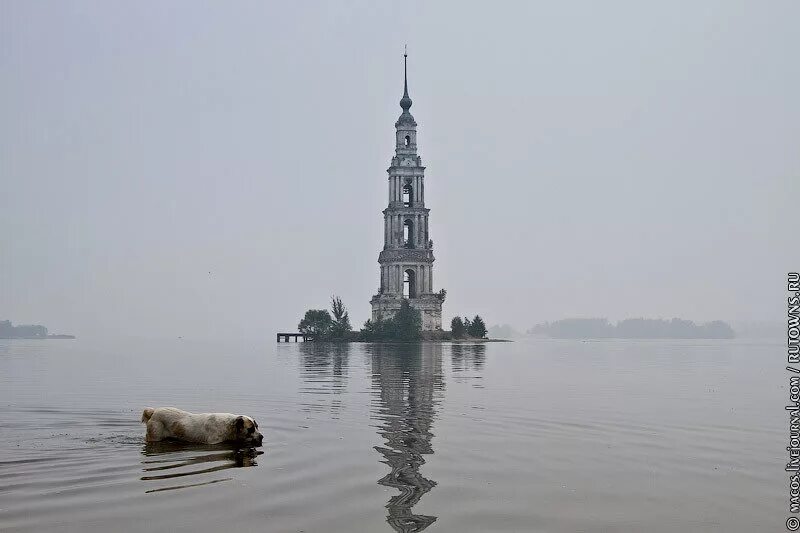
(407, 387)
(408, 378)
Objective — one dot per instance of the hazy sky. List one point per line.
(210, 168)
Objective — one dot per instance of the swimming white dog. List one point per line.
(204, 428)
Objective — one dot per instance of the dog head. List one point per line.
(245, 429)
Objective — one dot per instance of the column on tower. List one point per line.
(398, 288)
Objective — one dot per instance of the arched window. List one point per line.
(408, 194)
(408, 140)
(409, 284)
(408, 233)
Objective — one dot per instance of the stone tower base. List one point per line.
(429, 305)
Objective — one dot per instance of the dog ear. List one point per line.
(239, 423)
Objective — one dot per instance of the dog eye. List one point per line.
(250, 430)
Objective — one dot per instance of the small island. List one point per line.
(403, 326)
(31, 331)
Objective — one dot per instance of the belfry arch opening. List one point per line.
(408, 194)
(409, 284)
(408, 233)
(408, 140)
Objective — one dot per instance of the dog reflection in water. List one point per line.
(171, 459)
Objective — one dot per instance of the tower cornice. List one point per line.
(401, 209)
(396, 170)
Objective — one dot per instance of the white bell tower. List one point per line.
(407, 257)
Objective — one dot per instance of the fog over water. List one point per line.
(537, 435)
(195, 169)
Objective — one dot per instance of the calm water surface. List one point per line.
(550, 436)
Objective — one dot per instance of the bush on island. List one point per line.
(405, 325)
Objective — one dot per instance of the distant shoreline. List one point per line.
(632, 328)
(39, 338)
(28, 332)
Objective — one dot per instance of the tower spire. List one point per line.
(405, 101)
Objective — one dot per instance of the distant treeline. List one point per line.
(633, 328)
(35, 331)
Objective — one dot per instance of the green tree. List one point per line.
(376, 330)
(407, 323)
(341, 325)
(477, 328)
(457, 328)
(316, 322)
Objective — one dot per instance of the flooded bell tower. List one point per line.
(407, 257)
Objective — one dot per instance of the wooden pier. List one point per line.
(284, 337)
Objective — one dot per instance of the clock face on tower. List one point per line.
(407, 162)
